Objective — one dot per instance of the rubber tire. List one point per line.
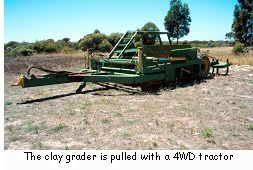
(205, 66)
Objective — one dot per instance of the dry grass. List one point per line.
(224, 53)
(74, 62)
(216, 114)
(73, 54)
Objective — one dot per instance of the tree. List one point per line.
(229, 35)
(11, 44)
(14, 48)
(51, 46)
(177, 21)
(48, 46)
(39, 46)
(243, 22)
(66, 40)
(149, 39)
(150, 26)
(86, 43)
(145, 38)
(91, 41)
(97, 39)
(113, 38)
(96, 31)
(105, 46)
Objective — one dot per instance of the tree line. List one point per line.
(96, 40)
(176, 22)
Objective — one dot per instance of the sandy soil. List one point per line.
(216, 114)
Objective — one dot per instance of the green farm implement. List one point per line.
(151, 63)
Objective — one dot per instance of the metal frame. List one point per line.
(157, 63)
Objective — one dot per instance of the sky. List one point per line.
(34, 20)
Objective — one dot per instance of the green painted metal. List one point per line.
(190, 53)
(126, 64)
(220, 64)
(132, 50)
(48, 79)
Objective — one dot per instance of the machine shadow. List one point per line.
(103, 88)
(62, 96)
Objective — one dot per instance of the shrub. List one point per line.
(59, 127)
(25, 51)
(74, 45)
(149, 39)
(86, 43)
(66, 40)
(238, 48)
(39, 46)
(96, 31)
(18, 51)
(51, 48)
(11, 44)
(48, 46)
(67, 49)
(91, 41)
(250, 127)
(105, 46)
(14, 48)
(231, 43)
(207, 132)
(138, 44)
(7, 52)
(113, 38)
(97, 39)
(211, 44)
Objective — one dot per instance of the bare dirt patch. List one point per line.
(216, 114)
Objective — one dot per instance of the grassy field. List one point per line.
(216, 114)
(226, 53)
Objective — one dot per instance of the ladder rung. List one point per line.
(122, 45)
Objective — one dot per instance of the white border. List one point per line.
(2, 82)
(17, 159)
(240, 160)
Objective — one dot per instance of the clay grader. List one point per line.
(145, 66)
